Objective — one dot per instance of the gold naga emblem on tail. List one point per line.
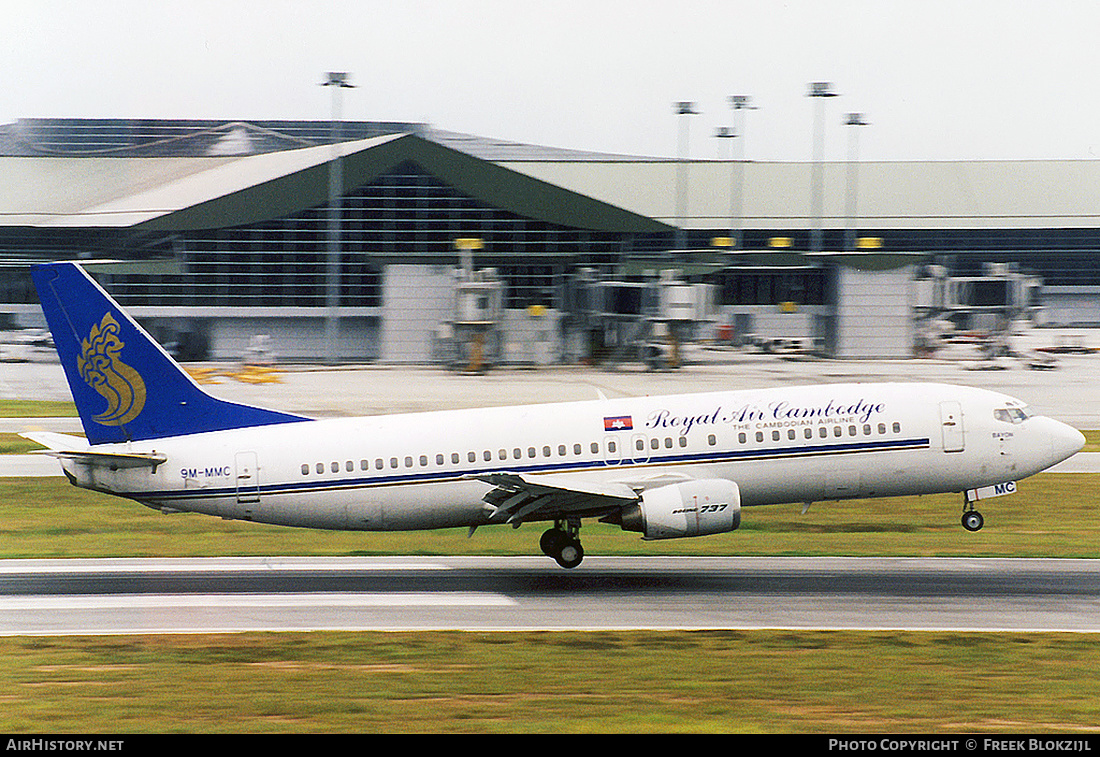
(101, 369)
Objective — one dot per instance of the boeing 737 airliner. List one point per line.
(666, 467)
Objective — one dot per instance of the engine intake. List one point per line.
(693, 508)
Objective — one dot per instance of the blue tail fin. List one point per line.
(126, 387)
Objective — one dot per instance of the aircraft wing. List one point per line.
(517, 497)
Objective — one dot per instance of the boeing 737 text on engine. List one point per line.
(666, 467)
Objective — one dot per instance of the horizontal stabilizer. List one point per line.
(54, 440)
(112, 460)
(77, 449)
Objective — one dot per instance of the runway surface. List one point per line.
(128, 596)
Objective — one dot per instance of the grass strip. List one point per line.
(1052, 515)
(1092, 441)
(564, 682)
(14, 444)
(36, 409)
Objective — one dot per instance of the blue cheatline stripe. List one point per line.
(405, 479)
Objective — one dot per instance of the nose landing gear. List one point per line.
(972, 520)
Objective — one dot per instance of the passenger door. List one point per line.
(248, 483)
(951, 425)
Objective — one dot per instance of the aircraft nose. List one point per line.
(1065, 441)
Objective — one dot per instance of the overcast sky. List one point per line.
(936, 79)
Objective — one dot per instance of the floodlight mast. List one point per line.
(739, 103)
(682, 108)
(338, 80)
(854, 120)
(818, 90)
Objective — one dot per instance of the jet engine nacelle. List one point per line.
(693, 508)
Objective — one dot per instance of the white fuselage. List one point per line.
(796, 444)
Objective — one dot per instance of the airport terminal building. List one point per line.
(402, 243)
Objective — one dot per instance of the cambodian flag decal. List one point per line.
(618, 423)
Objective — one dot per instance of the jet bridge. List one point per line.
(472, 339)
(647, 318)
(985, 309)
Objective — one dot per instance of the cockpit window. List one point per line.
(1011, 414)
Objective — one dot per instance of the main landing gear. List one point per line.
(562, 542)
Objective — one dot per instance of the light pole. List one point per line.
(739, 103)
(682, 108)
(338, 80)
(819, 90)
(723, 134)
(853, 120)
